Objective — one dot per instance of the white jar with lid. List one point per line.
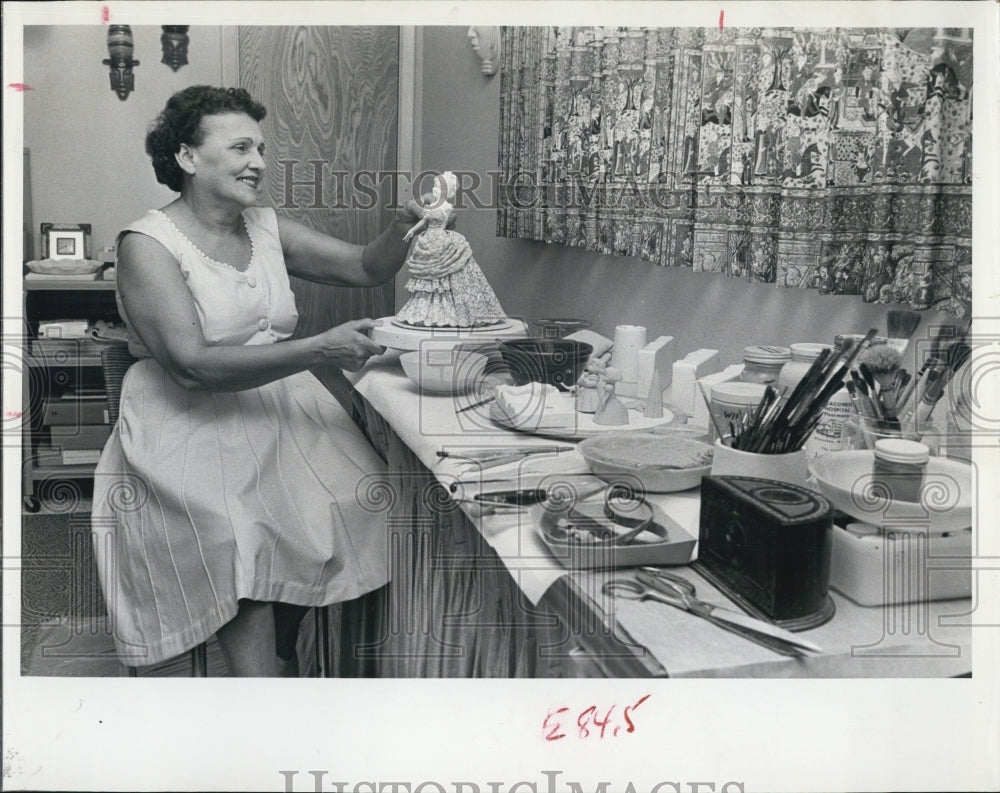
(762, 364)
(803, 355)
(731, 402)
(899, 465)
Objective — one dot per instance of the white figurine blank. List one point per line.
(611, 411)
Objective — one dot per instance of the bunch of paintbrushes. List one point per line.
(782, 422)
(949, 351)
(882, 390)
(877, 385)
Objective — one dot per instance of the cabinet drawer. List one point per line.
(74, 412)
(85, 436)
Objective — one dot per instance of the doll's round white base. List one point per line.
(389, 332)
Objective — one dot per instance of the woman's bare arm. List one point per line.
(315, 256)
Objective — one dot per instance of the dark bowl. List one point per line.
(558, 362)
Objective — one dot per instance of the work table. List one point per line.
(563, 617)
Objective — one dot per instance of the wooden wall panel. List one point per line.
(331, 95)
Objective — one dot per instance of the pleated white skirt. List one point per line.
(202, 498)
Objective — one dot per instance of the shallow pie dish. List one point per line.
(946, 495)
(659, 462)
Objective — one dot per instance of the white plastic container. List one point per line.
(827, 435)
(880, 569)
(731, 402)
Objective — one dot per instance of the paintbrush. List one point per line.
(865, 395)
(901, 379)
(883, 362)
(859, 403)
(901, 323)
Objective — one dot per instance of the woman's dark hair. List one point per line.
(180, 122)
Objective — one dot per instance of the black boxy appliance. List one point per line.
(767, 545)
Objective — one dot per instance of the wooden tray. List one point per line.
(585, 426)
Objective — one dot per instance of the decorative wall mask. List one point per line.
(486, 43)
(121, 62)
(174, 40)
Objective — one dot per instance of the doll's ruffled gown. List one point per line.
(448, 288)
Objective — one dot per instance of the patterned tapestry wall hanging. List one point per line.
(833, 159)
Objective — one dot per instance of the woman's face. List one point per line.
(229, 162)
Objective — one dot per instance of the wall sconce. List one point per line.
(174, 41)
(120, 49)
(486, 43)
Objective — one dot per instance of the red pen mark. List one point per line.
(105, 15)
(591, 722)
(553, 733)
(20, 87)
(722, 18)
(13, 414)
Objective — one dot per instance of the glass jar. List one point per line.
(863, 432)
(803, 355)
(560, 328)
(763, 364)
(899, 466)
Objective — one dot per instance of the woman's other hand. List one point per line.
(348, 346)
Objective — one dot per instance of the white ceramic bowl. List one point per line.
(945, 498)
(443, 371)
(646, 459)
(64, 266)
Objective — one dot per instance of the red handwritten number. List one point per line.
(607, 717)
(722, 19)
(629, 708)
(553, 733)
(105, 15)
(589, 720)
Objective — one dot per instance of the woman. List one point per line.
(225, 500)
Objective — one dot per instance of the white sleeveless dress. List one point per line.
(204, 498)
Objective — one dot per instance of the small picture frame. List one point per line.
(65, 241)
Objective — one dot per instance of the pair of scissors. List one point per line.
(677, 591)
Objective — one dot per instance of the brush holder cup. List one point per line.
(862, 432)
(790, 467)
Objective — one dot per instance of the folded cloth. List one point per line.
(536, 406)
(601, 344)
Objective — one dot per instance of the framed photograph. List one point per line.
(65, 241)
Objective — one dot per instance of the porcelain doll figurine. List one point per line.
(448, 288)
(590, 387)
